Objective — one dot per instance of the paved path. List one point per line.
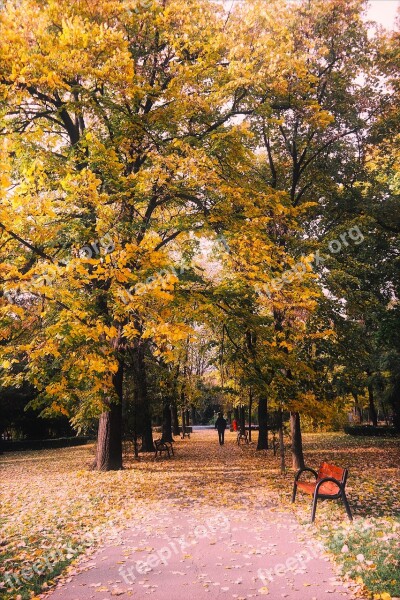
(204, 551)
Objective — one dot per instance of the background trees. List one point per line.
(134, 135)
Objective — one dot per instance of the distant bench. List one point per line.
(162, 446)
(329, 484)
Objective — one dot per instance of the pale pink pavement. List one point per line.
(199, 552)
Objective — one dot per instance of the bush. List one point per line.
(370, 430)
(12, 446)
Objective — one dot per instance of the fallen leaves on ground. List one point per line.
(53, 504)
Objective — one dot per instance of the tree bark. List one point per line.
(372, 410)
(109, 435)
(175, 420)
(250, 409)
(193, 411)
(183, 417)
(166, 435)
(281, 441)
(242, 420)
(262, 423)
(142, 400)
(394, 400)
(297, 444)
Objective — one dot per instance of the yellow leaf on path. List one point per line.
(263, 590)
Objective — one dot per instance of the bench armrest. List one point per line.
(300, 471)
(325, 479)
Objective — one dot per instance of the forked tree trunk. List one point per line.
(297, 443)
(262, 423)
(109, 435)
(167, 420)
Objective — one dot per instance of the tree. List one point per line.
(109, 117)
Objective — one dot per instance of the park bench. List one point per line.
(329, 484)
(242, 436)
(163, 446)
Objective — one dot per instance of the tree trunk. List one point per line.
(297, 444)
(357, 408)
(242, 418)
(262, 423)
(109, 435)
(142, 400)
(175, 420)
(167, 420)
(372, 410)
(394, 400)
(250, 409)
(236, 414)
(183, 417)
(281, 441)
(193, 410)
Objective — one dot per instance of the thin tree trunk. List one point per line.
(297, 444)
(193, 411)
(109, 435)
(372, 410)
(167, 420)
(142, 400)
(262, 423)
(242, 417)
(175, 420)
(183, 417)
(281, 441)
(385, 415)
(357, 409)
(250, 409)
(394, 400)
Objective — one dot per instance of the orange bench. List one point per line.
(329, 484)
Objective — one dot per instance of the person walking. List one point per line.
(220, 424)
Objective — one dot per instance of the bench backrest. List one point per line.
(327, 470)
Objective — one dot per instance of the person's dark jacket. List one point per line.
(220, 424)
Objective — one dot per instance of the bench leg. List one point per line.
(347, 506)
(314, 507)
(294, 492)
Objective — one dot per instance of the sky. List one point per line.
(384, 12)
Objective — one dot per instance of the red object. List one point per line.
(234, 425)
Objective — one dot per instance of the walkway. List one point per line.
(215, 532)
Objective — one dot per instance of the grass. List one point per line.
(55, 507)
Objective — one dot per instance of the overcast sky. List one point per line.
(384, 12)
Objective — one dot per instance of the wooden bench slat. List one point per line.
(327, 470)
